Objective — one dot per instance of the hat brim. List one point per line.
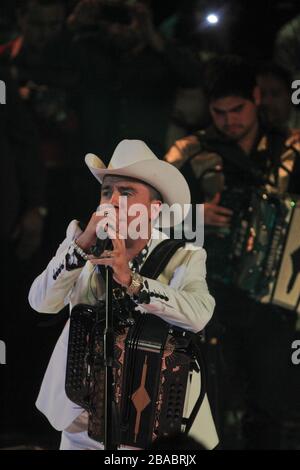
(164, 177)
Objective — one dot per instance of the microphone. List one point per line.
(101, 246)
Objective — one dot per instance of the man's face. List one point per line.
(275, 100)
(115, 187)
(42, 24)
(234, 116)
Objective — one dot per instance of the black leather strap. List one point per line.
(160, 257)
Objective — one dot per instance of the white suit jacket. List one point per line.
(189, 306)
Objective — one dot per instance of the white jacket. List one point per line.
(189, 306)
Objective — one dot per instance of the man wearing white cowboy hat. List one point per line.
(181, 294)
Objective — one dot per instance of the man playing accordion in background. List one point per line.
(175, 299)
(247, 176)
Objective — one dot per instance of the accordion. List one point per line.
(153, 364)
(261, 253)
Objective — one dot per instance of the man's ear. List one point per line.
(257, 95)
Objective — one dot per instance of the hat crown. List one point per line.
(134, 159)
(129, 152)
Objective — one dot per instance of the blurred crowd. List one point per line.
(81, 75)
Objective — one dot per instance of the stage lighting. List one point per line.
(212, 18)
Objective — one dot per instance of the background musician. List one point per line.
(223, 164)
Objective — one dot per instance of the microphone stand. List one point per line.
(111, 426)
(110, 416)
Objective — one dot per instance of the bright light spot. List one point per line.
(212, 19)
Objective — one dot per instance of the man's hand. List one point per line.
(114, 224)
(117, 259)
(104, 215)
(216, 215)
(88, 238)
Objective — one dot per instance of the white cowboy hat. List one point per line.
(134, 159)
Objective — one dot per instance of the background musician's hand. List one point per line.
(294, 138)
(216, 215)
